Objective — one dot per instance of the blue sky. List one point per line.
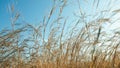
(4, 16)
(32, 11)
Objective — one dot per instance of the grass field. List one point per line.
(89, 46)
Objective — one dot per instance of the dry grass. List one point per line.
(49, 45)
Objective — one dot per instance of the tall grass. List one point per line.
(87, 47)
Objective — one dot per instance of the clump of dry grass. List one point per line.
(77, 48)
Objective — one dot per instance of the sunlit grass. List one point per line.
(87, 47)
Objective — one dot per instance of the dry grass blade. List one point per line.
(97, 3)
(116, 11)
(17, 15)
(62, 33)
(103, 20)
(98, 35)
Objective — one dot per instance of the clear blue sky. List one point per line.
(4, 16)
(32, 11)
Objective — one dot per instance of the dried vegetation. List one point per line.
(52, 45)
